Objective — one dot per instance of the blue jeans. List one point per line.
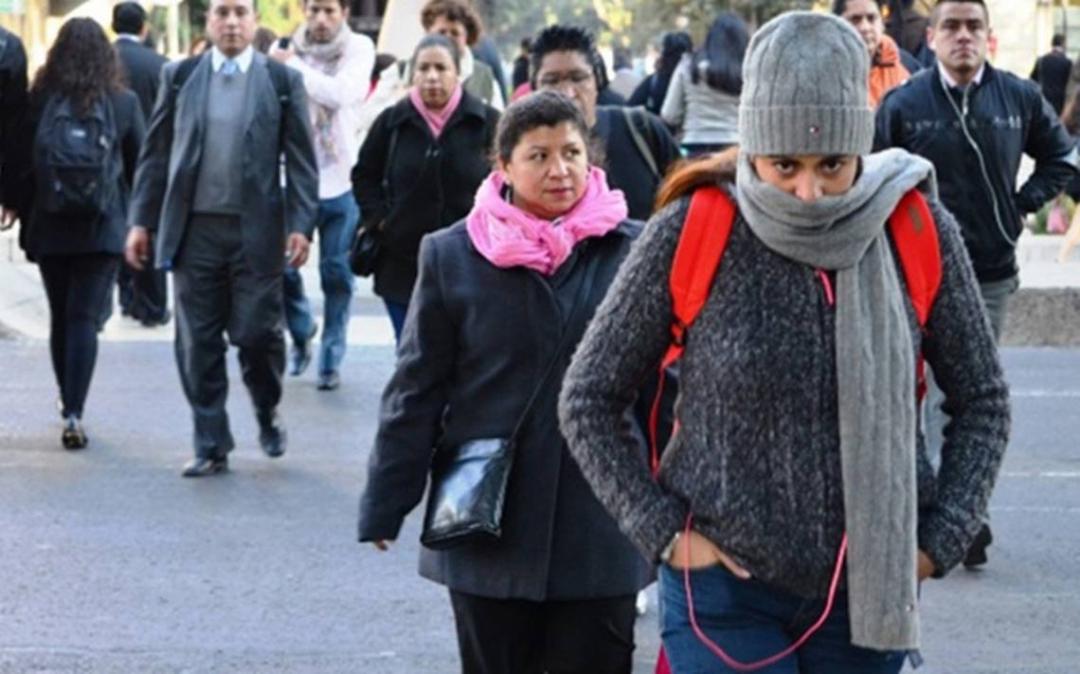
(752, 621)
(336, 224)
(397, 312)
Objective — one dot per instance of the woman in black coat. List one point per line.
(76, 225)
(420, 166)
(497, 295)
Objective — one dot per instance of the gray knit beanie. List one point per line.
(805, 89)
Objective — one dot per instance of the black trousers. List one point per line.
(514, 636)
(77, 286)
(218, 293)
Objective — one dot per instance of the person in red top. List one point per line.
(890, 65)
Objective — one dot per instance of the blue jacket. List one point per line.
(975, 139)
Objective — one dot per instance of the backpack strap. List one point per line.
(915, 236)
(697, 258)
(634, 116)
(701, 246)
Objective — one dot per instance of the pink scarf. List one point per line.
(509, 237)
(436, 119)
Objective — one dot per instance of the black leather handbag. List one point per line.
(468, 482)
(364, 252)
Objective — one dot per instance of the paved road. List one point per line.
(109, 562)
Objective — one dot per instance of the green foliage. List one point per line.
(630, 23)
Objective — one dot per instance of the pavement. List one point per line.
(112, 563)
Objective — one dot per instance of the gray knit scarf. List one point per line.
(326, 58)
(875, 376)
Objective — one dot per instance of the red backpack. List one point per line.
(701, 247)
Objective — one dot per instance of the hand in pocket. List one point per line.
(694, 551)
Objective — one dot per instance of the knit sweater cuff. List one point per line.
(943, 542)
(652, 531)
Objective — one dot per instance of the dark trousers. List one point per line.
(752, 621)
(515, 636)
(217, 293)
(77, 286)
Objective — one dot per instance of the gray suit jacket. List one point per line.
(169, 164)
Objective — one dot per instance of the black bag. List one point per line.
(77, 161)
(364, 253)
(468, 482)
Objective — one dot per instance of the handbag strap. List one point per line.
(564, 341)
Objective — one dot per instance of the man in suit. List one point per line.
(208, 189)
(142, 294)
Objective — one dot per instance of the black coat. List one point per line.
(12, 117)
(476, 342)
(142, 70)
(55, 235)
(626, 167)
(1052, 73)
(430, 183)
(1007, 118)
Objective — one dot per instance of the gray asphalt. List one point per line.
(110, 562)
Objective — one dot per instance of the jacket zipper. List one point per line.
(962, 116)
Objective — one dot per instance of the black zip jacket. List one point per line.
(975, 139)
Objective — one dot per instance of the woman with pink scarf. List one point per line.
(420, 165)
(501, 300)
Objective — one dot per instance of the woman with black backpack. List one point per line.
(86, 130)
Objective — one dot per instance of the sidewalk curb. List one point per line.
(1043, 317)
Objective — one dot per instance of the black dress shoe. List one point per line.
(203, 466)
(73, 437)
(976, 554)
(157, 321)
(272, 436)
(328, 381)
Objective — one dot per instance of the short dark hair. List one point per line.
(935, 13)
(563, 38)
(1058, 40)
(129, 18)
(440, 41)
(840, 6)
(453, 10)
(542, 108)
(345, 5)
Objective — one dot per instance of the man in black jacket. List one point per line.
(638, 149)
(974, 123)
(1052, 71)
(12, 113)
(142, 293)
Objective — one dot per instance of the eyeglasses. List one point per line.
(577, 78)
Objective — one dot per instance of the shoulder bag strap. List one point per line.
(632, 115)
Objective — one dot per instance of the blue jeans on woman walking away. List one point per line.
(752, 621)
(336, 224)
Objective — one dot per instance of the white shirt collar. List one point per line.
(130, 37)
(950, 82)
(243, 59)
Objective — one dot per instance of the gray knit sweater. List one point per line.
(756, 458)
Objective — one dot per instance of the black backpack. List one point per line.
(77, 158)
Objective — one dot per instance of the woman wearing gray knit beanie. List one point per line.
(794, 512)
